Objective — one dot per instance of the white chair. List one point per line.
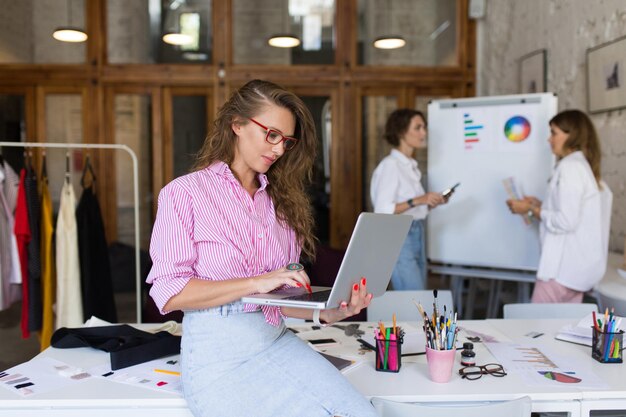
(401, 303)
(608, 301)
(520, 407)
(548, 310)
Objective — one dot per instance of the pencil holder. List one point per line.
(389, 354)
(440, 364)
(607, 347)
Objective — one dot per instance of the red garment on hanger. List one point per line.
(23, 235)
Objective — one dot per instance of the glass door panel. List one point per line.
(429, 28)
(132, 127)
(27, 28)
(13, 127)
(374, 113)
(421, 155)
(187, 113)
(320, 108)
(312, 22)
(189, 116)
(161, 31)
(64, 124)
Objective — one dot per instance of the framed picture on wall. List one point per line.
(606, 86)
(533, 72)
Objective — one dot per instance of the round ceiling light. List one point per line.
(69, 34)
(177, 39)
(284, 41)
(389, 42)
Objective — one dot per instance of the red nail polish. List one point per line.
(298, 284)
(308, 287)
(363, 281)
(356, 287)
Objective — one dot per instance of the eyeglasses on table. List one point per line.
(476, 371)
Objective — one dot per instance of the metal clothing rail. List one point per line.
(135, 193)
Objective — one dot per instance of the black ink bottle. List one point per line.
(468, 356)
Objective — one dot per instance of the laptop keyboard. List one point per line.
(316, 296)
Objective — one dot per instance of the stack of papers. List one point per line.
(579, 333)
(575, 334)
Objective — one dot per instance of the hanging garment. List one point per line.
(95, 269)
(48, 270)
(5, 248)
(23, 236)
(10, 274)
(11, 185)
(10, 188)
(34, 248)
(69, 305)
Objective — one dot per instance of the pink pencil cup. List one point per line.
(440, 363)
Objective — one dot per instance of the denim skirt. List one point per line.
(410, 270)
(235, 364)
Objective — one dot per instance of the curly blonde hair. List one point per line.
(290, 174)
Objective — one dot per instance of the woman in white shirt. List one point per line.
(396, 188)
(573, 222)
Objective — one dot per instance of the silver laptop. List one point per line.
(372, 253)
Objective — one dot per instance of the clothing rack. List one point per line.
(133, 156)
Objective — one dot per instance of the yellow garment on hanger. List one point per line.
(48, 269)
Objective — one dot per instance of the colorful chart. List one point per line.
(517, 129)
(561, 377)
(471, 131)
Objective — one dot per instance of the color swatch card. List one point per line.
(40, 375)
(160, 374)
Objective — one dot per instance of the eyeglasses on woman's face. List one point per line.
(274, 137)
(475, 372)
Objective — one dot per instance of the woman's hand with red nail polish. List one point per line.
(359, 300)
(279, 278)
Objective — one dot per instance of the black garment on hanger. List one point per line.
(127, 345)
(95, 269)
(33, 201)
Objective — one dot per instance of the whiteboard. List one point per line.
(480, 142)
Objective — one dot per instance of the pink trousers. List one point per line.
(553, 292)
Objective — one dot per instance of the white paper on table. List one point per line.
(41, 375)
(144, 375)
(94, 321)
(539, 365)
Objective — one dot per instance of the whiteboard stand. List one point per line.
(460, 273)
(133, 156)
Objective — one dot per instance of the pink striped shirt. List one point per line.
(209, 227)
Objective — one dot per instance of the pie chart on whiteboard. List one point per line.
(517, 129)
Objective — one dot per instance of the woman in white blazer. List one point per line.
(574, 219)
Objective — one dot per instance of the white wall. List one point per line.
(566, 28)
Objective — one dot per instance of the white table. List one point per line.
(613, 398)
(413, 385)
(97, 397)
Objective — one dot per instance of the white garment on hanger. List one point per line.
(10, 187)
(69, 304)
(10, 273)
